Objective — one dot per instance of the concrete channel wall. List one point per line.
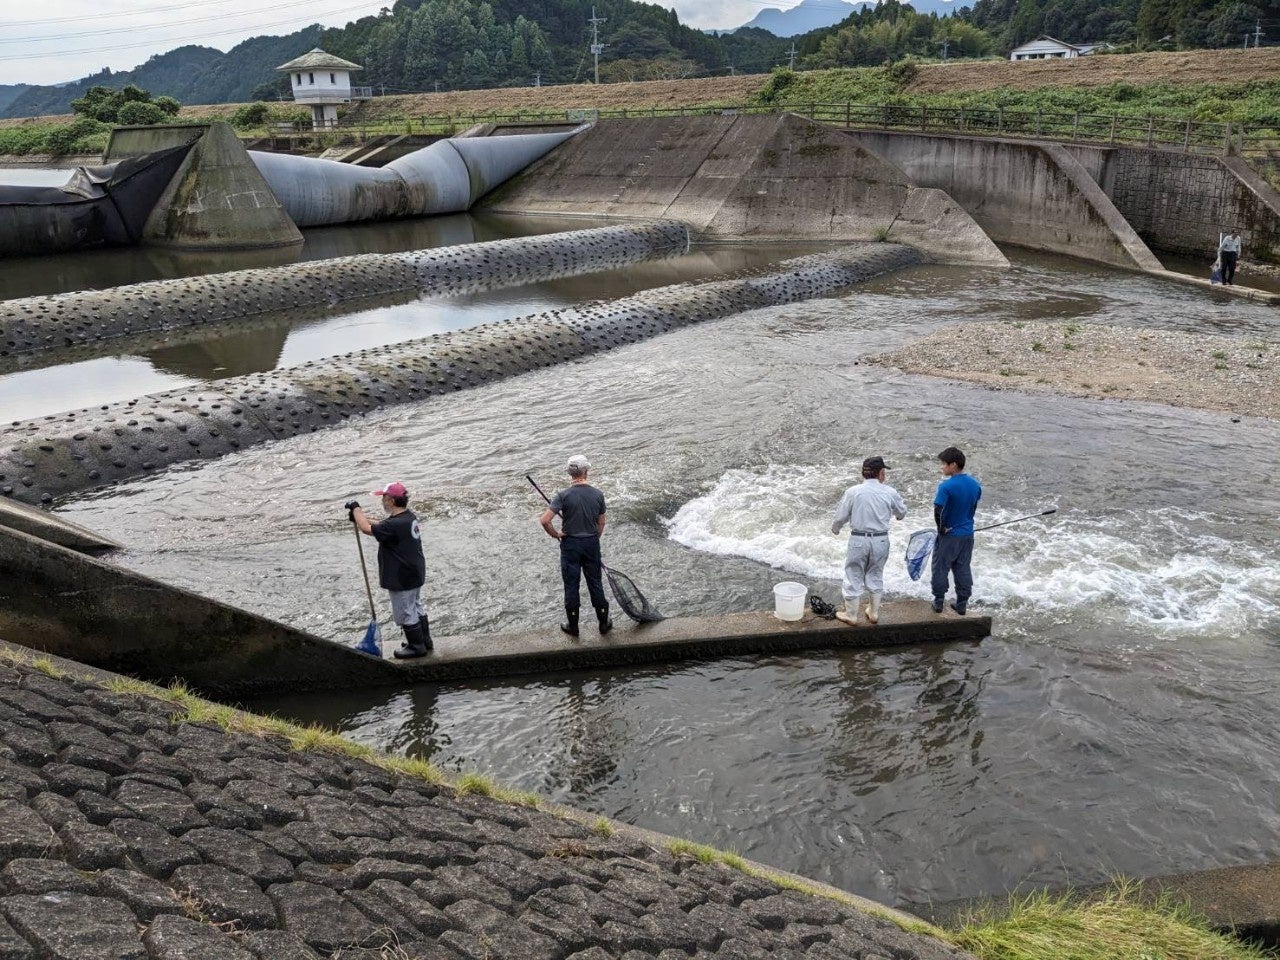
(35, 324)
(55, 456)
(730, 177)
(1033, 195)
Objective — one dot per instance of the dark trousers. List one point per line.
(580, 556)
(952, 556)
(1229, 260)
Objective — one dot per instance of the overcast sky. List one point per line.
(53, 41)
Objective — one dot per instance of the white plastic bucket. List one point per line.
(788, 600)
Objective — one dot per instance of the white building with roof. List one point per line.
(322, 81)
(1047, 48)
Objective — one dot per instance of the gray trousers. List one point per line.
(864, 565)
(406, 606)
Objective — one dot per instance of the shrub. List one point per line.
(169, 105)
(136, 113)
(250, 115)
(776, 85)
(82, 135)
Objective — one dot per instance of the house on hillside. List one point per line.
(1047, 48)
(322, 81)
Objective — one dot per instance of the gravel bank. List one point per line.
(1237, 376)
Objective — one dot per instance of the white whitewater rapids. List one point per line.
(1146, 568)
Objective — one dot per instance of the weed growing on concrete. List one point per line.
(881, 234)
(1219, 354)
(45, 666)
(603, 827)
(1037, 347)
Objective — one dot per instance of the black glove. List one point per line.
(350, 506)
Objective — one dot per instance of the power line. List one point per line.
(180, 40)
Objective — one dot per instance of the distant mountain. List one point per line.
(810, 15)
(192, 74)
(805, 16)
(10, 92)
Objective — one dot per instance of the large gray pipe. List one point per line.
(58, 455)
(35, 324)
(446, 177)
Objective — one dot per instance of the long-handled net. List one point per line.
(918, 549)
(629, 597)
(633, 603)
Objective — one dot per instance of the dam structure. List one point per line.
(55, 456)
(34, 325)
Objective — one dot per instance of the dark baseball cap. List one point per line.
(875, 464)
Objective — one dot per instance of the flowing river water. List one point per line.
(1121, 719)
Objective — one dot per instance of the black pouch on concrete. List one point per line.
(821, 608)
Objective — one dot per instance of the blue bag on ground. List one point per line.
(918, 549)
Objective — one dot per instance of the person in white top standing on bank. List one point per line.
(868, 508)
(1229, 254)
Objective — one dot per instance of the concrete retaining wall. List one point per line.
(35, 324)
(1032, 195)
(745, 178)
(64, 603)
(1183, 202)
(58, 455)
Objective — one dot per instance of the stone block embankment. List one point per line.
(55, 456)
(35, 324)
(127, 832)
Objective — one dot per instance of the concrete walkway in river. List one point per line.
(127, 833)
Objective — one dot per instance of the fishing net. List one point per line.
(630, 599)
(371, 642)
(918, 549)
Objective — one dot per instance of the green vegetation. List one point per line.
(1118, 926)
(129, 105)
(83, 135)
(1252, 102)
(891, 31)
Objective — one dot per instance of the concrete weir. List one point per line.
(54, 456)
(71, 605)
(35, 324)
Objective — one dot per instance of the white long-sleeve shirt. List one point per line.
(1229, 244)
(869, 507)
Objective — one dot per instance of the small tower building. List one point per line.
(322, 81)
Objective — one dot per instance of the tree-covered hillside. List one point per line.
(1144, 23)
(189, 74)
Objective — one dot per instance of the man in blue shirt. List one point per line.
(954, 505)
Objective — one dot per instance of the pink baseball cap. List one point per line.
(393, 489)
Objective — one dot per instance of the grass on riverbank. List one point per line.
(1118, 926)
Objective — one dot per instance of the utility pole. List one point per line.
(596, 46)
(791, 57)
(537, 79)
(1246, 41)
(945, 44)
(1257, 34)
(437, 86)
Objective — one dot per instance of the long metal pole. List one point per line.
(368, 590)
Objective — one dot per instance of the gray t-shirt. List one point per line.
(579, 506)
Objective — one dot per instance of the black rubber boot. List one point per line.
(425, 627)
(570, 626)
(959, 608)
(414, 646)
(602, 618)
(937, 604)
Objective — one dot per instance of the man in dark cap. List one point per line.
(581, 509)
(868, 508)
(402, 569)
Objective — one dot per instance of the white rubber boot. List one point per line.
(849, 612)
(872, 609)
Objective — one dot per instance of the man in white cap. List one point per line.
(868, 509)
(402, 569)
(581, 509)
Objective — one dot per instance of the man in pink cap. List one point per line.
(402, 569)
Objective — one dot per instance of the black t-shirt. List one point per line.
(401, 565)
(579, 506)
